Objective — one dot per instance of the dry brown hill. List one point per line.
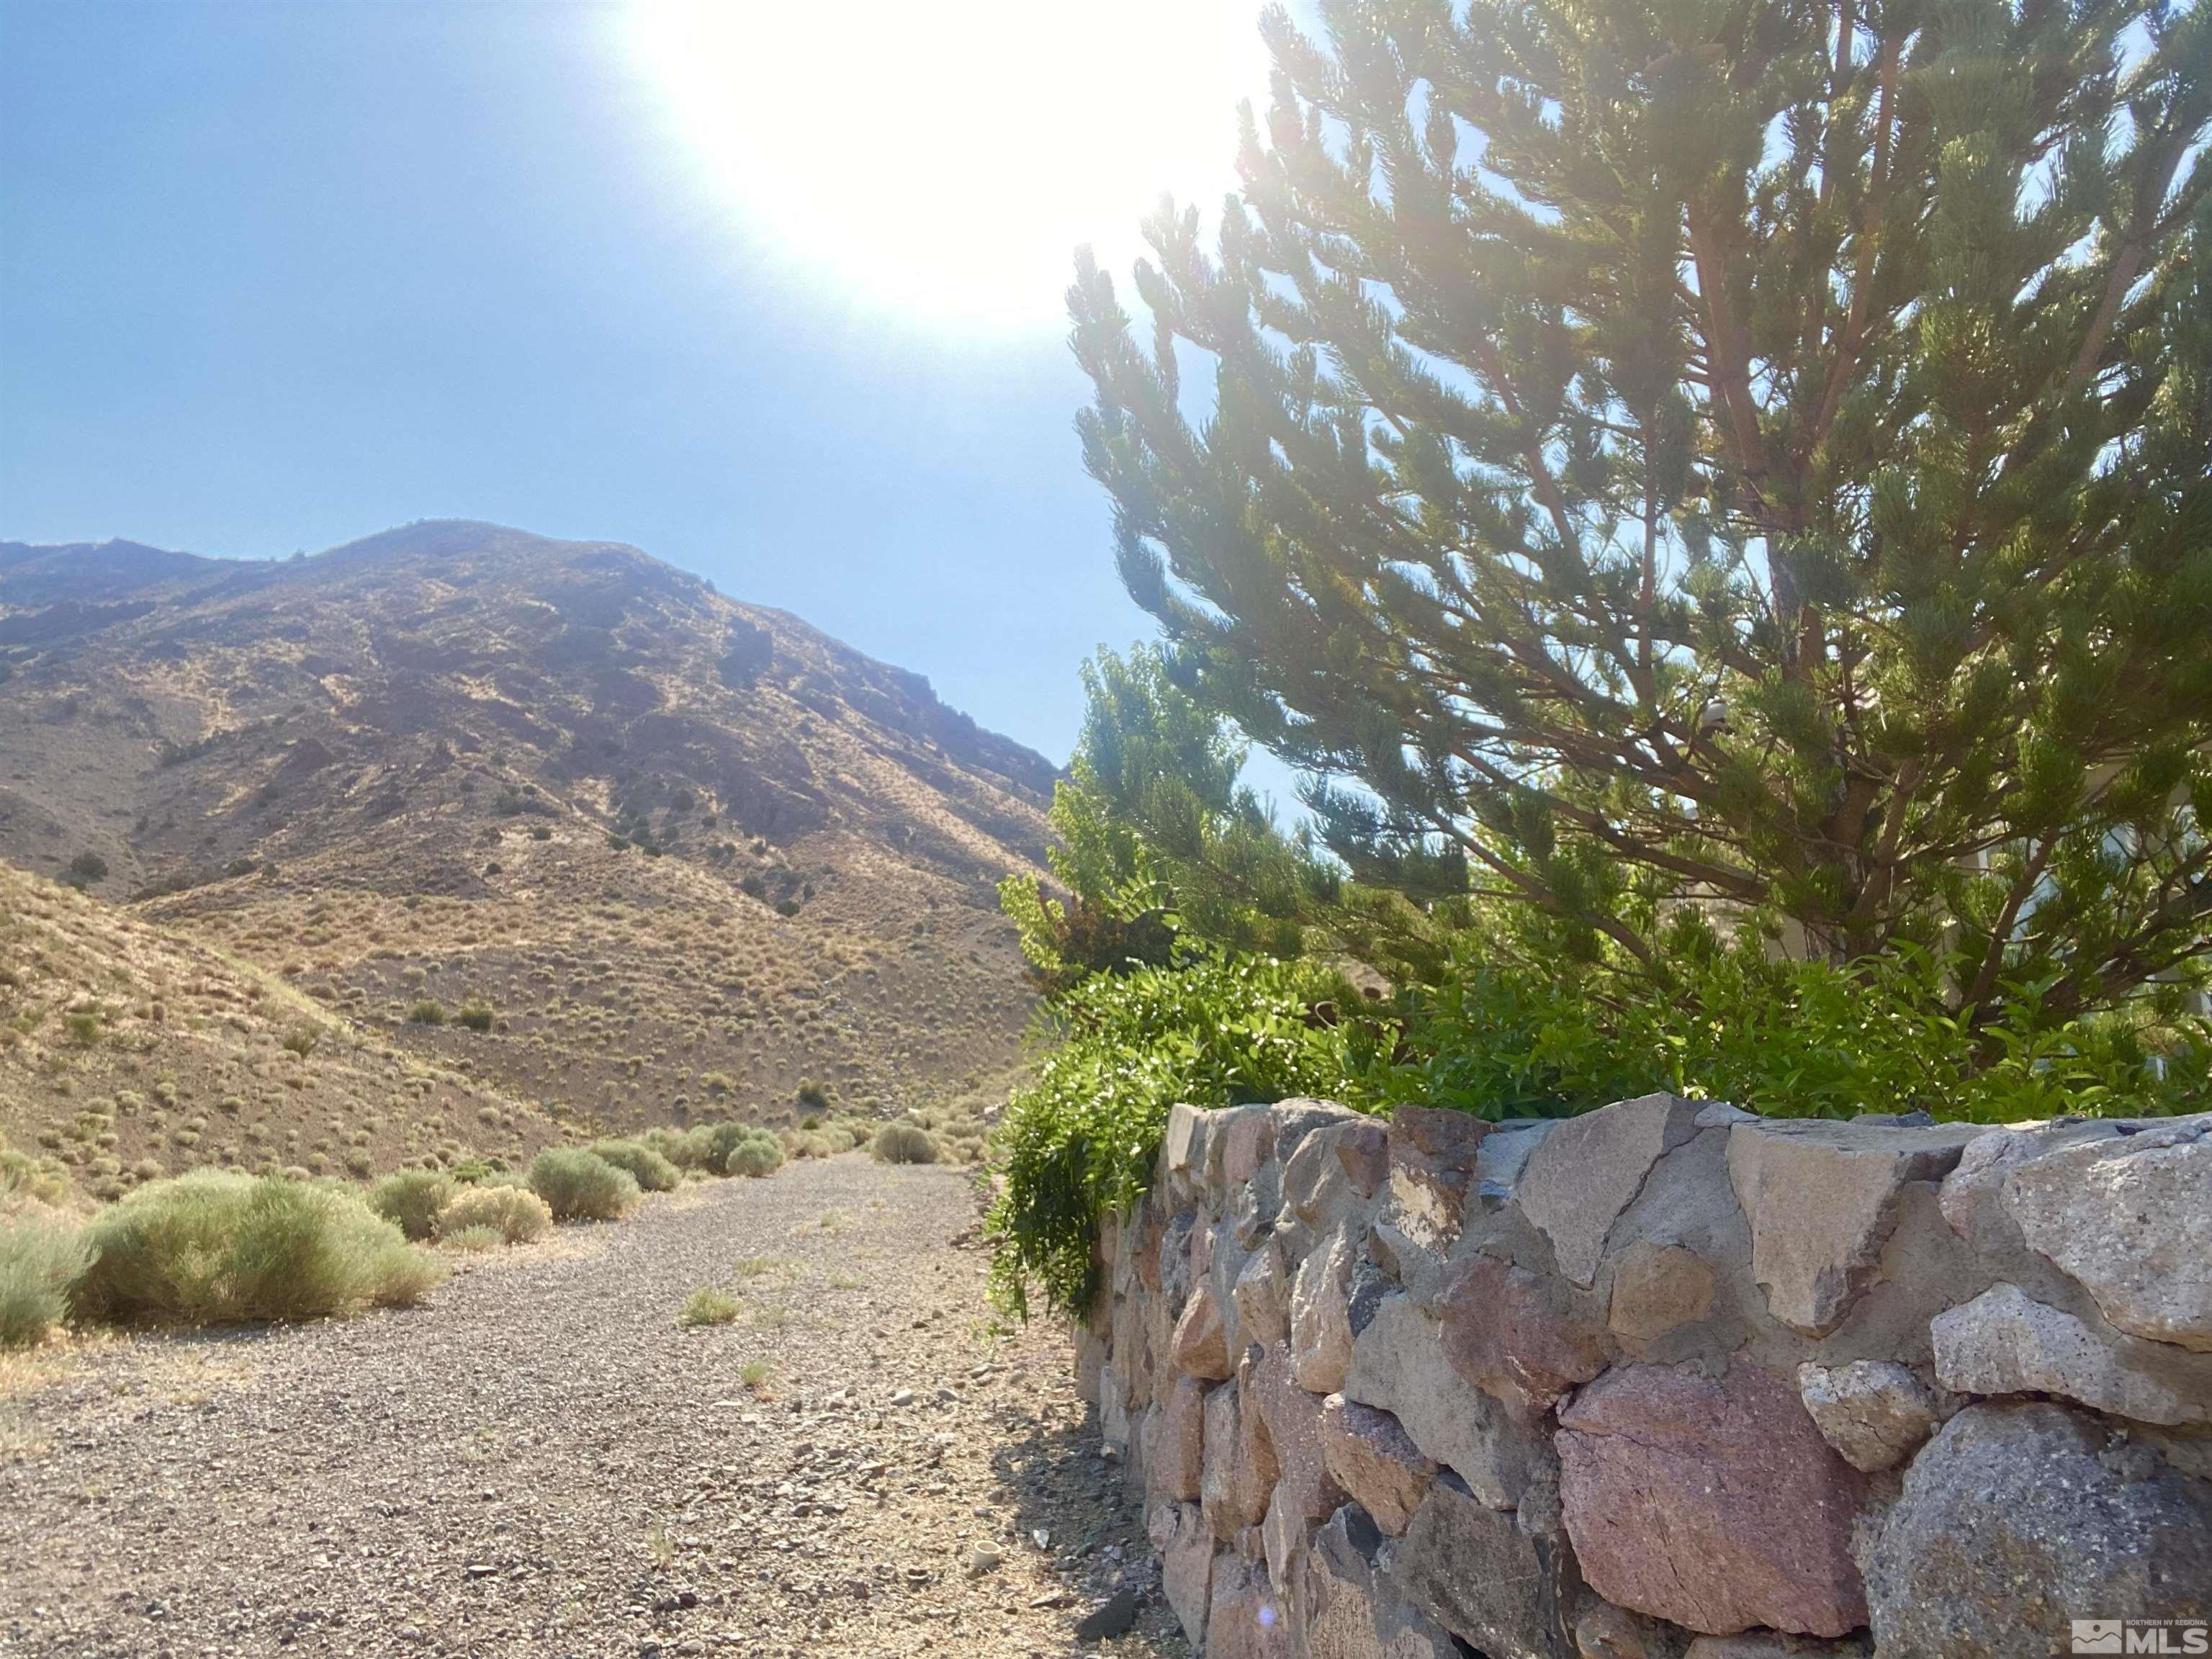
(686, 855)
(128, 1052)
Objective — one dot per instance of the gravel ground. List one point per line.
(540, 1462)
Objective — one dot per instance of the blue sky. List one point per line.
(278, 275)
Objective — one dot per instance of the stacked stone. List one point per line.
(1667, 1380)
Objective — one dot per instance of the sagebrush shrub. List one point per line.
(518, 1217)
(473, 1241)
(38, 1262)
(903, 1143)
(217, 1248)
(579, 1187)
(652, 1172)
(412, 1199)
(756, 1153)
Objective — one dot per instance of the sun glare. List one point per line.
(942, 161)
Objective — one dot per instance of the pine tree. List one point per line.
(1710, 463)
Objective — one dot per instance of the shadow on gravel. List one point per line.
(1051, 1478)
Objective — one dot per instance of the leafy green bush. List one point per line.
(411, 1201)
(1079, 1143)
(518, 1217)
(652, 1172)
(578, 1186)
(217, 1247)
(39, 1260)
(1787, 1039)
(903, 1143)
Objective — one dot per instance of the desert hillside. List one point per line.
(551, 815)
(128, 1051)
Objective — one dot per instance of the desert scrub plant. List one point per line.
(471, 1241)
(411, 1200)
(652, 1172)
(24, 1178)
(426, 1012)
(517, 1216)
(756, 1153)
(706, 1306)
(39, 1261)
(578, 1186)
(217, 1248)
(903, 1143)
(475, 1017)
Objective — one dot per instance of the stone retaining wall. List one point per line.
(1668, 1379)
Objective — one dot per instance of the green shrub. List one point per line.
(411, 1200)
(652, 1172)
(1080, 1140)
(578, 1186)
(814, 1095)
(427, 1011)
(471, 1241)
(756, 1153)
(731, 1149)
(706, 1306)
(517, 1216)
(475, 1015)
(687, 1149)
(218, 1247)
(1785, 1039)
(39, 1260)
(23, 1177)
(903, 1143)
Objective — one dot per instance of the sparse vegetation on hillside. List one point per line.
(129, 1051)
(823, 835)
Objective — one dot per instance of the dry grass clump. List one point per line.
(578, 1186)
(515, 1216)
(903, 1143)
(652, 1172)
(411, 1200)
(706, 1306)
(471, 1241)
(39, 1261)
(215, 1247)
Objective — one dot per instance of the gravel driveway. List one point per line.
(541, 1462)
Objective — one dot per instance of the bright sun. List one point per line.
(941, 161)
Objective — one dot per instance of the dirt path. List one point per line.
(540, 1462)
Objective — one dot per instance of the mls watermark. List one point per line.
(2167, 1636)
